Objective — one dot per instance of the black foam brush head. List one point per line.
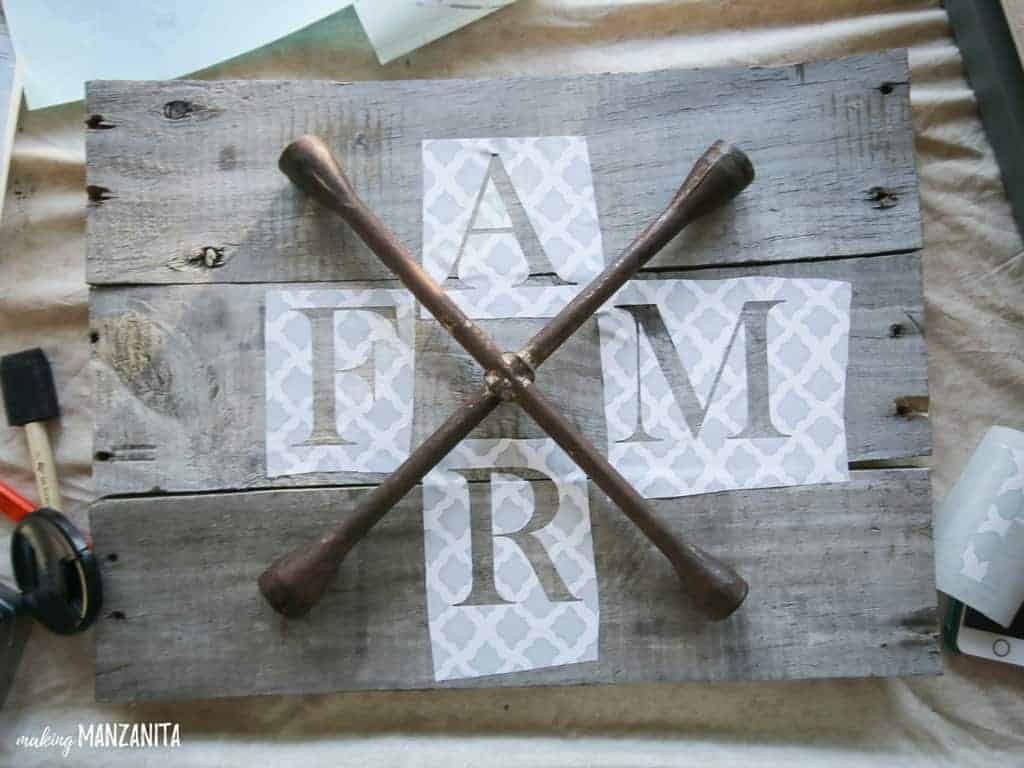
(29, 391)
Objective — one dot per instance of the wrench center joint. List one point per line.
(500, 384)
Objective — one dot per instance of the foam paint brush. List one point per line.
(30, 399)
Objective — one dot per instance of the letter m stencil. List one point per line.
(713, 385)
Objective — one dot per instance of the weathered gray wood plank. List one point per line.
(180, 396)
(185, 187)
(841, 585)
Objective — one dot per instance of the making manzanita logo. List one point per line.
(106, 736)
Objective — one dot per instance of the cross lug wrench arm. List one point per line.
(296, 581)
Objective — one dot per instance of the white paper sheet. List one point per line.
(63, 43)
(400, 26)
(10, 100)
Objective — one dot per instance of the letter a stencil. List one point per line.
(510, 225)
(510, 576)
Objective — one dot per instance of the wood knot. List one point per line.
(207, 257)
(210, 257)
(179, 109)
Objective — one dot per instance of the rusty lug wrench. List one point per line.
(297, 580)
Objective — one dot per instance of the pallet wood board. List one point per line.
(179, 378)
(841, 586)
(190, 224)
(185, 188)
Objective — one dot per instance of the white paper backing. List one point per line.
(552, 179)
(807, 351)
(378, 423)
(530, 632)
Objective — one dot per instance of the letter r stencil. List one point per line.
(510, 577)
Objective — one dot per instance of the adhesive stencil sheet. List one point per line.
(510, 225)
(711, 385)
(979, 529)
(339, 380)
(510, 577)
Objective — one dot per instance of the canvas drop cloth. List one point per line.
(974, 285)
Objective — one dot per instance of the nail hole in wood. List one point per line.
(912, 407)
(881, 197)
(896, 330)
(227, 159)
(112, 557)
(97, 194)
(885, 88)
(94, 336)
(103, 455)
(119, 615)
(98, 122)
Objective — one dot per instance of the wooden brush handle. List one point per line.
(43, 465)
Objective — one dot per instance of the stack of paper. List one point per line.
(63, 43)
(10, 100)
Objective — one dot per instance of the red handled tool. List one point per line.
(54, 568)
(13, 504)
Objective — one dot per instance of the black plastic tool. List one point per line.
(59, 582)
(15, 626)
(56, 572)
(30, 398)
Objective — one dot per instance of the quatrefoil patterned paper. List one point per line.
(531, 631)
(374, 418)
(807, 352)
(551, 177)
